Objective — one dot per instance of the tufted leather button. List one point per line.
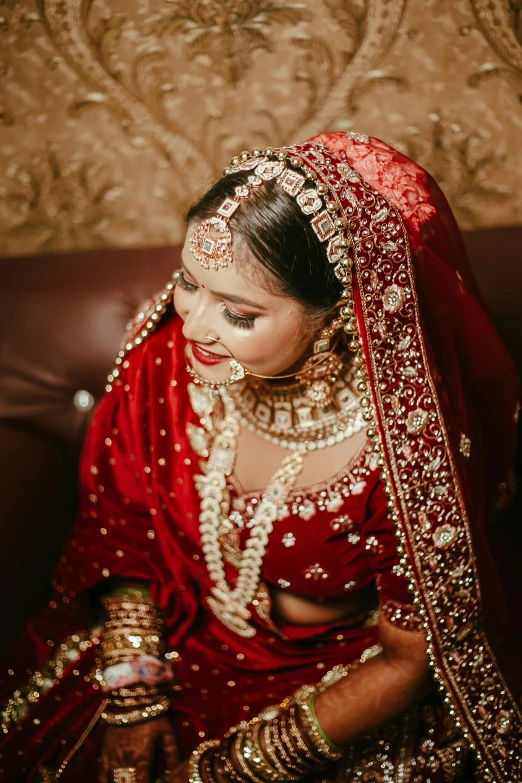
(83, 400)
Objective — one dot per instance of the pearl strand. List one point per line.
(231, 605)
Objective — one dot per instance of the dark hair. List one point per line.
(281, 238)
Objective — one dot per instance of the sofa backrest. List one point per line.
(62, 320)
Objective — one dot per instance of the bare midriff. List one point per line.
(292, 609)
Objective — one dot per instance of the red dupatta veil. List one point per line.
(444, 398)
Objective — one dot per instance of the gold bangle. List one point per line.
(131, 717)
(194, 775)
(140, 692)
(286, 760)
(123, 645)
(241, 760)
(283, 733)
(206, 764)
(230, 770)
(312, 733)
(256, 728)
(253, 752)
(298, 736)
(127, 598)
(271, 752)
(299, 750)
(125, 613)
(115, 635)
(130, 619)
(113, 657)
(133, 701)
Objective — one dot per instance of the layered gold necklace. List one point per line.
(313, 412)
(307, 414)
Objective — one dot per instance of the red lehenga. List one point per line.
(444, 394)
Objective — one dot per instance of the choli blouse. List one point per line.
(329, 538)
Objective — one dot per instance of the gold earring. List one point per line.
(321, 371)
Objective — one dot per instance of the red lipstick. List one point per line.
(206, 357)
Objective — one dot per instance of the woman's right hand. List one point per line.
(137, 747)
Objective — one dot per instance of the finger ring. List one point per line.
(125, 775)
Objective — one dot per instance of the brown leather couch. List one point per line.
(62, 318)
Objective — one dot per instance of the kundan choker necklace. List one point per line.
(310, 413)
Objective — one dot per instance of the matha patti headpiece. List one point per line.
(211, 241)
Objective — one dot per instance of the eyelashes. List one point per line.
(184, 283)
(240, 321)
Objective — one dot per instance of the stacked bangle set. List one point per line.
(133, 636)
(283, 743)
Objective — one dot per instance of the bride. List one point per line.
(279, 570)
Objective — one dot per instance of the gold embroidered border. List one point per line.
(20, 702)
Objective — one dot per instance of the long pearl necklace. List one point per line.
(230, 605)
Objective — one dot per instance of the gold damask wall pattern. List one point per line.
(115, 115)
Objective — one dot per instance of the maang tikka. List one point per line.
(211, 241)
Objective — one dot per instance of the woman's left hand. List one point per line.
(136, 746)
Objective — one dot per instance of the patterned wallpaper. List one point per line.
(114, 115)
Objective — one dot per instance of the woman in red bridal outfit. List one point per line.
(280, 568)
